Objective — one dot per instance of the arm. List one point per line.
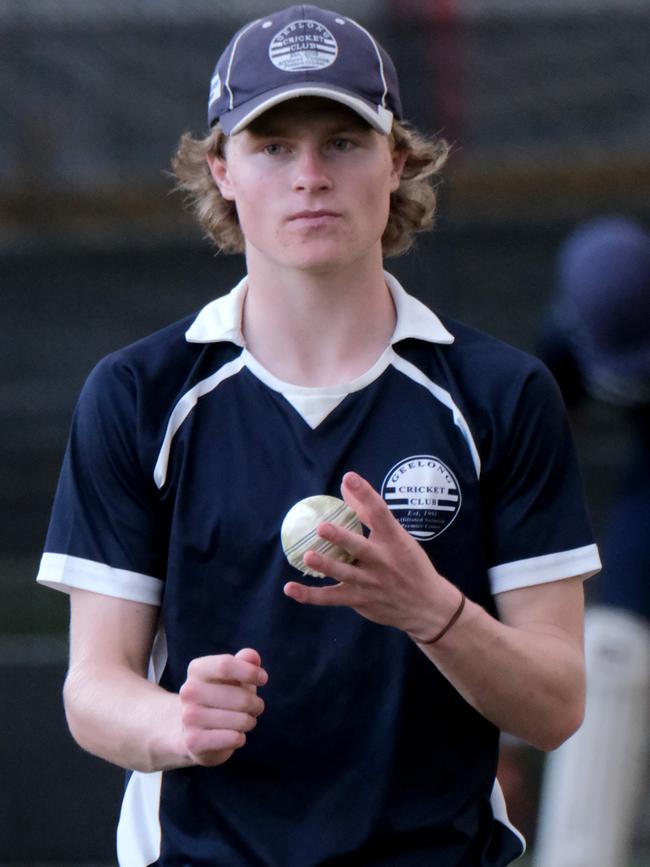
(114, 712)
(524, 672)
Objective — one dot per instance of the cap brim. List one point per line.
(235, 121)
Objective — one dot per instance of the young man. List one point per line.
(461, 614)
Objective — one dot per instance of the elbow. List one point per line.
(80, 704)
(563, 725)
(73, 715)
(566, 710)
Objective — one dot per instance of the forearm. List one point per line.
(119, 716)
(523, 671)
(528, 680)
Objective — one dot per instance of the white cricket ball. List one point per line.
(298, 532)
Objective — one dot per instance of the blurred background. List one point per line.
(547, 105)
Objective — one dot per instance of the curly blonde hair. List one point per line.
(412, 205)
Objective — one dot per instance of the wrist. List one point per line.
(167, 748)
(436, 632)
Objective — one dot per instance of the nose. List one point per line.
(311, 172)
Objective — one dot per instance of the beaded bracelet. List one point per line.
(451, 622)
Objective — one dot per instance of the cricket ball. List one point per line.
(298, 532)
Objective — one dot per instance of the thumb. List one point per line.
(249, 655)
(252, 656)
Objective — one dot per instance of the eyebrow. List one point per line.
(263, 127)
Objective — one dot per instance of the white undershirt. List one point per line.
(315, 403)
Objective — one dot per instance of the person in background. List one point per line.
(597, 343)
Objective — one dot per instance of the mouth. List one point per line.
(314, 217)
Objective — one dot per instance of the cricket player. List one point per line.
(265, 717)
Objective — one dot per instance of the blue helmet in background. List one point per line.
(603, 282)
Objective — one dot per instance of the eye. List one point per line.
(273, 149)
(342, 144)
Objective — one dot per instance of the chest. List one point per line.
(245, 456)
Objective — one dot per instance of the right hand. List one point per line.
(219, 704)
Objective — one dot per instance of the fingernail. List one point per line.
(352, 480)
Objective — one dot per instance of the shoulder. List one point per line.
(483, 374)
(476, 352)
(148, 358)
(131, 394)
(155, 369)
(496, 378)
(505, 397)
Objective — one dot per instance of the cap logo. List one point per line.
(303, 45)
(215, 87)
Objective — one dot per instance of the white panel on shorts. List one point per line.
(138, 830)
(500, 813)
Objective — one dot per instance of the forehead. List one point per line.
(308, 112)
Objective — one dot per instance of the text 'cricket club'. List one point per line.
(303, 45)
(423, 494)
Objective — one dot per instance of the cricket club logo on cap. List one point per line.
(303, 45)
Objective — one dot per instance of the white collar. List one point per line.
(220, 320)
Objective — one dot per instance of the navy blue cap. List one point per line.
(303, 51)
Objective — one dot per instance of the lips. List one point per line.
(313, 215)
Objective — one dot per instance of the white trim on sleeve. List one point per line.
(64, 572)
(583, 561)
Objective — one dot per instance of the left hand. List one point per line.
(391, 581)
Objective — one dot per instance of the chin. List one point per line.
(325, 255)
(320, 258)
(324, 264)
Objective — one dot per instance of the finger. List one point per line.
(197, 717)
(206, 746)
(346, 573)
(370, 506)
(224, 696)
(253, 657)
(355, 544)
(227, 668)
(336, 594)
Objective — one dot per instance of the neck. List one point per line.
(317, 328)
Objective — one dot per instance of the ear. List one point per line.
(221, 176)
(399, 161)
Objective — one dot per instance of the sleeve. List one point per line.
(538, 526)
(107, 527)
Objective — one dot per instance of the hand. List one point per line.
(219, 704)
(391, 581)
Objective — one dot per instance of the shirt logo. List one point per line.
(301, 45)
(423, 494)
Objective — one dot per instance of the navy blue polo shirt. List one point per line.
(185, 454)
